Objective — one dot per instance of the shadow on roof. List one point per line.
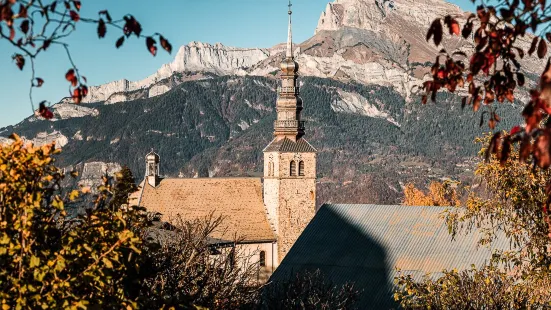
(343, 253)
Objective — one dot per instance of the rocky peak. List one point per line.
(196, 56)
(374, 14)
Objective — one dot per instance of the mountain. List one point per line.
(210, 112)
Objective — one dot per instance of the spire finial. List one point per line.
(290, 35)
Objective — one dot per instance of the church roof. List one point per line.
(238, 200)
(287, 145)
(365, 243)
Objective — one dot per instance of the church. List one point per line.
(267, 214)
(275, 217)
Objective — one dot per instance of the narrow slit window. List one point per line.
(301, 168)
(262, 260)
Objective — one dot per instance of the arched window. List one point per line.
(301, 168)
(262, 260)
(293, 170)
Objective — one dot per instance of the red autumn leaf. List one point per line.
(467, 30)
(74, 16)
(77, 95)
(84, 90)
(12, 33)
(39, 82)
(542, 153)
(532, 117)
(6, 14)
(476, 103)
(71, 77)
(435, 32)
(545, 84)
(45, 111)
(25, 26)
(525, 148)
(454, 29)
(533, 46)
(494, 145)
(23, 11)
(19, 61)
(102, 29)
(542, 49)
(165, 44)
(120, 41)
(132, 26)
(515, 130)
(492, 123)
(520, 79)
(505, 151)
(77, 4)
(510, 95)
(150, 43)
(46, 44)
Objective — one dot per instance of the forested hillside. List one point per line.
(370, 141)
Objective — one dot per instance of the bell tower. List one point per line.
(289, 161)
(152, 161)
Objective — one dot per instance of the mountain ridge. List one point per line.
(214, 117)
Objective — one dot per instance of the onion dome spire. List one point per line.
(289, 105)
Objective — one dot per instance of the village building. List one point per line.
(276, 220)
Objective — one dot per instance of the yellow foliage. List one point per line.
(51, 261)
(439, 194)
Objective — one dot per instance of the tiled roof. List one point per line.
(238, 200)
(287, 145)
(365, 243)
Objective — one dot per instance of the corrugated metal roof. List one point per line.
(366, 243)
(287, 145)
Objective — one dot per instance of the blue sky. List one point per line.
(242, 23)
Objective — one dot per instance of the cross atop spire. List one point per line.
(290, 35)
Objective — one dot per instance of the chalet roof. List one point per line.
(238, 200)
(287, 145)
(366, 243)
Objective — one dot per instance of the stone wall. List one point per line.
(297, 199)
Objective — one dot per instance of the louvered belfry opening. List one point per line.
(301, 168)
(293, 170)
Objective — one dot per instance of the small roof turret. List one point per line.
(152, 156)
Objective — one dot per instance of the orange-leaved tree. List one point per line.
(31, 27)
(439, 194)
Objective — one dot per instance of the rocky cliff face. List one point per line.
(379, 42)
(194, 57)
